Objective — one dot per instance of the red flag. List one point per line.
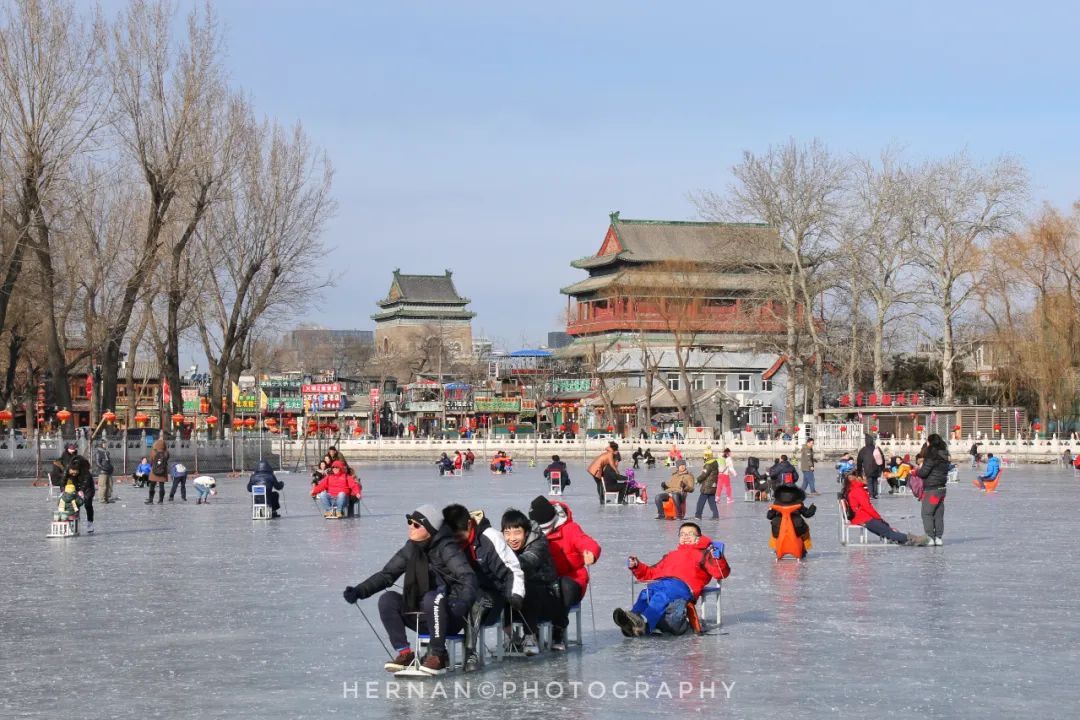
(166, 394)
(89, 386)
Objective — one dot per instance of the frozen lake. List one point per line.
(185, 611)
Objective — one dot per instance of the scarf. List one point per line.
(417, 578)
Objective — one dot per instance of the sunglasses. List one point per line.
(413, 523)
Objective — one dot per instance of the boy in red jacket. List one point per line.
(675, 581)
(571, 551)
(337, 487)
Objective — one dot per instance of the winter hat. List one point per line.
(427, 516)
(680, 463)
(69, 488)
(541, 511)
(339, 464)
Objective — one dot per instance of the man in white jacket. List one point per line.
(498, 573)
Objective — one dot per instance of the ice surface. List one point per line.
(197, 612)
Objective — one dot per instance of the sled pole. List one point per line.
(377, 637)
(592, 610)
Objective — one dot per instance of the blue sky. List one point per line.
(494, 138)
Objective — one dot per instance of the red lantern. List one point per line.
(611, 428)
(997, 427)
(249, 422)
(843, 428)
(141, 419)
(291, 422)
(912, 416)
(654, 428)
(956, 428)
(919, 428)
(212, 420)
(108, 416)
(562, 428)
(873, 428)
(512, 428)
(271, 423)
(332, 427)
(178, 419)
(6, 416)
(63, 416)
(749, 429)
(1037, 427)
(237, 423)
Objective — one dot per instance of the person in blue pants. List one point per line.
(676, 580)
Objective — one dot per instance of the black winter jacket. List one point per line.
(536, 562)
(935, 470)
(84, 482)
(447, 567)
(264, 475)
(866, 463)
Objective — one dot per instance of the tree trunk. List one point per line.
(947, 352)
(853, 355)
(879, 351)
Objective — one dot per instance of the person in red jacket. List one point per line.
(572, 550)
(336, 488)
(862, 512)
(674, 582)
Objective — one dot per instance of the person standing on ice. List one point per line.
(870, 463)
(439, 584)
(935, 474)
(707, 480)
(674, 584)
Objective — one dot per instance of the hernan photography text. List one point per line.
(536, 690)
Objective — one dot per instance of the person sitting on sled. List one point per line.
(439, 585)
(755, 480)
(675, 488)
(790, 533)
(558, 466)
(993, 467)
(635, 489)
(70, 502)
(334, 491)
(445, 465)
(674, 585)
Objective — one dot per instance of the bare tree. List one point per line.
(50, 109)
(878, 230)
(962, 205)
(260, 244)
(796, 189)
(167, 96)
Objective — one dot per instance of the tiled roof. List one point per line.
(436, 289)
(720, 244)
(698, 281)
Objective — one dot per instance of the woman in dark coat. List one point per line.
(159, 470)
(935, 474)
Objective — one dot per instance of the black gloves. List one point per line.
(517, 602)
(352, 594)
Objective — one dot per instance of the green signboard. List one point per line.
(497, 405)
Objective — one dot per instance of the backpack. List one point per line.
(160, 467)
(915, 485)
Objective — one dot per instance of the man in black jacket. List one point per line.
(498, 573)
(871, 463)
(439, 584)
(558, 466)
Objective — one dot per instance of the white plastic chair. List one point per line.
(260, 507)
(846, 529)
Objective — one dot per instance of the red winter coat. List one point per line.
(337, 483)
(859, 503)
(693, 564)
(567, 544)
